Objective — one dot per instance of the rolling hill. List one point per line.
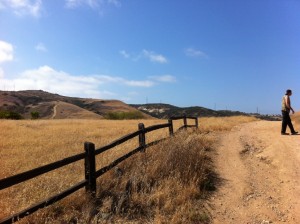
(166, 110)
(54, 106)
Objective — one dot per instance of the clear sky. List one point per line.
(220, 54)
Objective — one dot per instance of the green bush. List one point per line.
(124, 115)
(10, 115)
(35, 115)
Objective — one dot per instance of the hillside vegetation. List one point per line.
(165, 111)
(167, 184)
(54, 106)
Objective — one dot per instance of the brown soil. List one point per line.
(259, 172)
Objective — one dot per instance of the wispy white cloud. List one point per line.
(22, 7)
(150, 55)
(78, 3)
(6, 51)
(125, 54)
(94, 4)
(114, 79)
(1, 73)
(51, 80)
(191, 52)
(145, 83)
(155, 57)
(164, 78)
(41, 47)
(131, 56)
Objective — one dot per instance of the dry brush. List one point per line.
(167, 183)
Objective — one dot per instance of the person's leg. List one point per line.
(290, 124)
(285, 116)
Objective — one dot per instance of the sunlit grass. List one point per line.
(214, 124)
(179, 163)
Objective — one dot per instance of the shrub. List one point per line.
(10, 115)
(35, 115)
(121, 115)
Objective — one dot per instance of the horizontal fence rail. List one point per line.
(156, 127)
(16, 179)
(116, 162)
(117, 142)
(43, 204)
(90, 172)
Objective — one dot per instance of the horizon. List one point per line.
(150, 103)
(233, 55)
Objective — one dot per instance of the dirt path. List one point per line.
(54, 110)
(260, 172)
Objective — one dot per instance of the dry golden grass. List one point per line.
(222, 123)
(296, 119)
(165, 181)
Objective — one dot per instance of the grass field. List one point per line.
(165, 181)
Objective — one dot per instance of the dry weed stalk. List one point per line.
(158, 183)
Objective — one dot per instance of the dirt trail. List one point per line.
(54, 110)
(260, 176)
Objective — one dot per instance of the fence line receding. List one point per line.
(91, 174)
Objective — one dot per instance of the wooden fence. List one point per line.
(89, 156)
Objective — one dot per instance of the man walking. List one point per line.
(286, 108)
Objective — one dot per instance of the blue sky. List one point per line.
(219, 54)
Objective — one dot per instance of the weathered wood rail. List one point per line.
(91, 174)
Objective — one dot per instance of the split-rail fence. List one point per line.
(91, 174)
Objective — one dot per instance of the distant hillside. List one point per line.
(166, 111)
(54, 106)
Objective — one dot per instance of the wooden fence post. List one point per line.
(171, 130)
(90, 168)
(142, 137)
(185, 122)
(196, 122)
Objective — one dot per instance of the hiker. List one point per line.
(286, 108)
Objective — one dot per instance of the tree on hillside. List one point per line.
(10, 115)
(35, 115)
